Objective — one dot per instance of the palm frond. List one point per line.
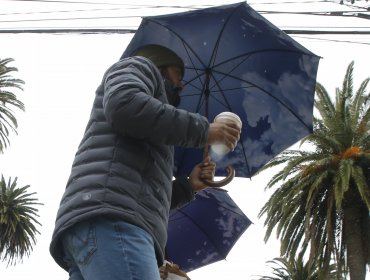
(8, 99)
(342, 181)
(296, 269)
(324, 103)
(362, 184)
(359, 103)
(347, 87)
(18, 220)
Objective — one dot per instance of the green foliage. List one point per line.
(8, 100)
(296, 269)
(319, 186)
(17, 207)
(17, 221)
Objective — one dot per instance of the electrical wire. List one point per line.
(68, 11)
(121, 30)
(140, 6)
(69, 2)
(331, 40)
(336, 14)
(112, 31)
(125, 4)
(355, 14)
(290, 30)
(135, 6)
(69, 19)
(183, 7)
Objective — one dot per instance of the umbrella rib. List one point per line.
(248, 55)
(187, 48)
(215, 91)
(199, 73)
(226, 208)
(215, 49)
(224, 77)
(222, 204)
(201, 229)
(267, 93)
(217, 84)
(262, 51)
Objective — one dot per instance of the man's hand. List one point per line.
(224, 133)
(203, 170)
(163, 272)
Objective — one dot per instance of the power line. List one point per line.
(343, 14)
(109, 6)
(115, 4)
(287, 2)
(289, 30)
(69, 31)
(332, 40)
(70, 18)
(129, 30)
(68, 11)
(325, 13)
(135, 7)
(325, 27)
(352, 5)
(125, 4)
(328, 32)
(359, 14)
(69, 2)
(140, 6)
(96, 31)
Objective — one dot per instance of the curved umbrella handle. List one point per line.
(230, 176)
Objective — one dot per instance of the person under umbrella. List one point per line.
(112, 219)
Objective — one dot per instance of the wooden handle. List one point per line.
(223, 182)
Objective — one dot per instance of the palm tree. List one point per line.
(7, 119)
(296, 269)
(17, 221)
(17, 212)
(324, 200)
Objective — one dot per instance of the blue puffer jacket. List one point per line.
(123, 166)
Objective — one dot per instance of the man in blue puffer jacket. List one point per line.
(112, 219)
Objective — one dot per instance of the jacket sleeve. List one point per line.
(131, 105)
(182, 192)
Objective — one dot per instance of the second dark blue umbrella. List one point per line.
(204, 230)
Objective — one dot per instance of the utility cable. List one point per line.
(356, 14)
(341, 14)
(126, 30)
(70, 18)
(331, 40)
(115, 4)
(187, 7)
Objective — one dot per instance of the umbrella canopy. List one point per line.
(241, 63)
(204, 230)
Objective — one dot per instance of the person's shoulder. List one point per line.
(136, 61)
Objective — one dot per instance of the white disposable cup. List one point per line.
(225, 117)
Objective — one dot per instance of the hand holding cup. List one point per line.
(224, 133)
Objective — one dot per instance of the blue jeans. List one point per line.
(109, 249)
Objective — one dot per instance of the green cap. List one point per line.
(161, 56)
